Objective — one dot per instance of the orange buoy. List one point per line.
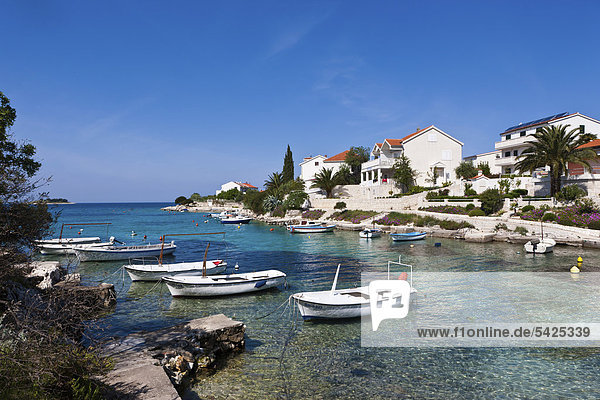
(79, 233)
(272, 229)
(403, 276)
(70, 227)
(193, 221)
(145, 237)
(196, 224)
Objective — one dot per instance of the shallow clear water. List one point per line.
(288, 358)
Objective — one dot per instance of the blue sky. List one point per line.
(147, 100)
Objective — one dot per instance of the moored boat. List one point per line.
(68, 248)
(223, 285)
(112, 253)
(370, 233)
(154, 272)
(236, 220)
(403, 237)
(540, 246)
(311, 227)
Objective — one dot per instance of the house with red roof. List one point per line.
(311, 166)
(241, 186)
(433, 153)
(514, 139)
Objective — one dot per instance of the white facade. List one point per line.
(514, 140)
(241, 186)
(311, 166)
(431, 151)
(490, 158)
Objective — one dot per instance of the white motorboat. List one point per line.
(55, 246)
(339, 303)
(154, 272)
(540, 246)
(236, 220)
(68, 248)
(223, 285)
(404, 237)
(311, 227)
(370, 233)
(68, 241)
(112, 253)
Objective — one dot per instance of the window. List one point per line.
(432, 137)
(446, 155)
(515, 153)
(507, 154)
(581, 129)
(522, 134)
(316, 163)
(507, 137)
(507, 171)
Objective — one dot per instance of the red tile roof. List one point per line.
(246, 184)
(338, 157)
(593, 143)
(398, 142)
(379, 144)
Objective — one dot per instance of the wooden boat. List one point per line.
(339, 303)
(63, 245)
(540, 246)
(236, 220)
(68, 248)
(403, 237)
(311, 227)
(370, 233)
(154, 272)
(112, 253)
(223, 285)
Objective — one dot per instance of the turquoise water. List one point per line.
(288, 358)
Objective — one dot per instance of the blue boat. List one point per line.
(404, 237)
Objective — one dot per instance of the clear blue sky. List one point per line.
(147, 100)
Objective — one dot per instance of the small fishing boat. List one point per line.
(340, 303)
(370, 233)
(404, 237)
(223, 285)
(113, 253)
(68, 248)
(61, 245)
(236, 220)
(311, 227)
(154, 272)
(540, 246)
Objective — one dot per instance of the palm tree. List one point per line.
(554, 147)
(326, 181)
(274, 182)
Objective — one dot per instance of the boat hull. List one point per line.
(224, 285)
(156, 272)
(311, 229)
(369, 234)
(48, 249)
(339, 304)
(122, 253)
(236, 221)
(69, 241)
(404, 237)
(544, 246)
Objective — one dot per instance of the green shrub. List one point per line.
(231, 194)
(254, 199)
(469, 191)
(453, 225)
(519, 192)
(594, 225)
(416, 189)
(587, 205)
(279, 212)
(432, 195)
(491, 201)
(476, 212)
(527, 208)
(295, 200)
(521, 229)
(340, 205)
(500, 227)
(469, 207)
(549, 217)
(181, 200)
(571, 193)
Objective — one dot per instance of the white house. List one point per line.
(513, 140)
(310, 166)
(431, 151)
(490, 158)
(241, 186)
(585, 177)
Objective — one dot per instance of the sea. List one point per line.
(289, 358)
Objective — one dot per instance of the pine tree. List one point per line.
(288, 166)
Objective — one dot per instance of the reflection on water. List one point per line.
(289, 358)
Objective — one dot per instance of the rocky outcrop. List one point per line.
(181, 351)
(45, 274)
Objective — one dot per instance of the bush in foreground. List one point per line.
(491, 201)
(476, 212)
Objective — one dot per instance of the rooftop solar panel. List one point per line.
(537, 121)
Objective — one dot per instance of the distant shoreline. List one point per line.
(60, 203)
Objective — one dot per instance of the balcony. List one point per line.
(516, 142)
(506, 161)
(377, 163)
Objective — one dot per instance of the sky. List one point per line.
(149, 100)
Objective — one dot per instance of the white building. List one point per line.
(311, 166)
(489, 158)
(513, 140)
(241, 186)
(431, 151)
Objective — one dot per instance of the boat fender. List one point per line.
(260, 283)
(403, 276)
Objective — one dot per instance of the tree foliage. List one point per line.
(491, 201)
(403, 174)
(325, 180)
(254, 199)
(288, 166)
(466, 170)
(354, 158)
(485, 169)
(274, 182)
(231, 194)
(555, 147)
(571, 193)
